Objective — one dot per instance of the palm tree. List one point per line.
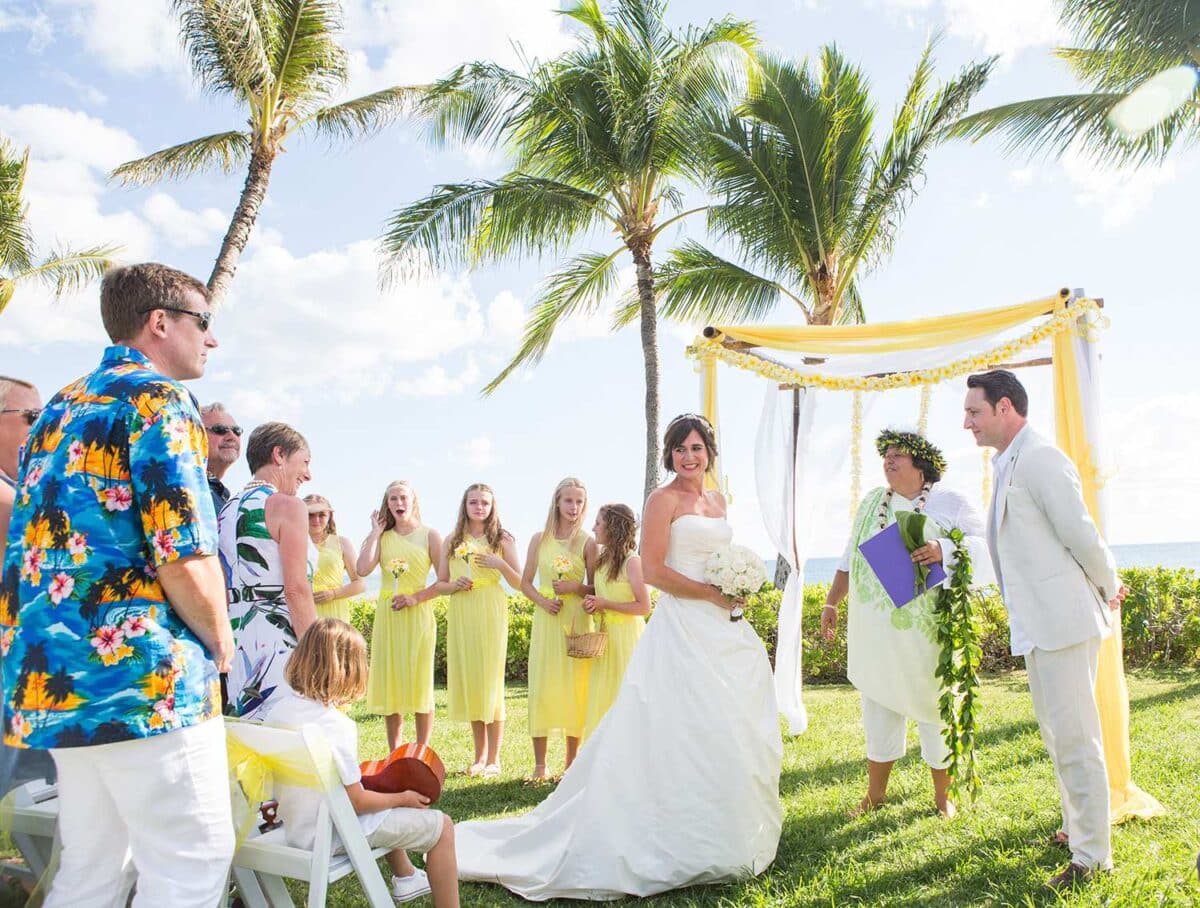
(64, 270)
(1122, 44)
(281, 60)
(809, 199)
(601, 139)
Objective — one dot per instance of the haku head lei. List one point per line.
(914, 445)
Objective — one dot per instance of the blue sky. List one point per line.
(385, 384)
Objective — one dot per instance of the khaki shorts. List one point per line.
(409, 829)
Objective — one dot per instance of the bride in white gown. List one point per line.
(679, 784)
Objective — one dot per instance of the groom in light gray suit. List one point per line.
(1060, 585)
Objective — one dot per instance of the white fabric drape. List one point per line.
(781, 459)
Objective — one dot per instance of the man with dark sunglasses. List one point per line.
(224, 449)
(20, 406)
(113, 608)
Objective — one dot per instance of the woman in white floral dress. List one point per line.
(269, 560)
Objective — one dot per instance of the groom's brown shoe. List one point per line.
(1073, 875)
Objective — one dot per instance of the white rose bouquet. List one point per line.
(737, 572)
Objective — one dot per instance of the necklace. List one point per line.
(261, 484)
(886, 503)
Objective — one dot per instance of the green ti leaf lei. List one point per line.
(958, 672)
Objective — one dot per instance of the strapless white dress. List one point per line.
(679, 784)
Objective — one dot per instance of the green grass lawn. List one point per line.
(904, 854)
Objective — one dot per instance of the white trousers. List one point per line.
(887, 733)
(1063, 685)
(160, 802)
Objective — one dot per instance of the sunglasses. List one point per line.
(30, 414)
(223, 430)
(204, 318)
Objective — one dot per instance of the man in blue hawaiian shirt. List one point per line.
(113, 621)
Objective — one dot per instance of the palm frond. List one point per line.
(580, 286)
(16, 242)
(697, 285)
(1049, 126)
(362, 116)
(462, 223)
(477, 102)
(307, 62)
(68, 271)
(1168, 29)
(918, 125)
(228, 44)
(223, 151)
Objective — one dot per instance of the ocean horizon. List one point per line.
(1149, 554)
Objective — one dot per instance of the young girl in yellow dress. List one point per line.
(620, 602)
(335, 562)
(561, 556)
(404, 634)
(474, 559)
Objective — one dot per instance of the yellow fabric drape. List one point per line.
(708, 409)
(1112, 694)
(259, 773)
(890, 337)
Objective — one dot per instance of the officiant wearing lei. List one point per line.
(892, 652)
(679, 784)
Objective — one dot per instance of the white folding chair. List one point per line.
(263, 861)
(34, 828)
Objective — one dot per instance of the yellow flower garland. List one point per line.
(1062, 320)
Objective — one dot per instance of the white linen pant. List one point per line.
(162, 802)
(1063, 685)
(887, 733)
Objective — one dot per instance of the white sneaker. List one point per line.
(407, 888)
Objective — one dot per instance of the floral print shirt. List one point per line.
(112, 485)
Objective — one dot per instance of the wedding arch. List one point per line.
(806, 363)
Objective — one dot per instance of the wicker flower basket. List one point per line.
(588, 645)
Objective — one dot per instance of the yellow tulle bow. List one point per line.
(257, 775)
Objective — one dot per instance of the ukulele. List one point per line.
(410, 767)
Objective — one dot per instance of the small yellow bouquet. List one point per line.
(399, 567)
(466, 552)
(562, 566)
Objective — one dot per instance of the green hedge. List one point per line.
(1161, 623)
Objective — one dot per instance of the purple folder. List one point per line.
(892, 564)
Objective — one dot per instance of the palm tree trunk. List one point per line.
(253, 192)
(645, 285)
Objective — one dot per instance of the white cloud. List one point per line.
(56, 132)
(36, 24)
(182, 227)
(477, 452)
(409, 43)
(1120, 193)
(124, 37)
(506, 318)
(1021, 177)
(1152, 449)
(1005, 28)
(334, 331)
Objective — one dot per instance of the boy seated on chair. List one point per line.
(327, 670)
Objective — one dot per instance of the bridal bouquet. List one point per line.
(737, 572)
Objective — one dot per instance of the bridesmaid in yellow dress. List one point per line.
(620, 601)
(478, 554)
(335, 562)
(404, 634)
(561, 556)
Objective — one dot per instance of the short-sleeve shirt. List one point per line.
(112, 486)
(299, 807)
